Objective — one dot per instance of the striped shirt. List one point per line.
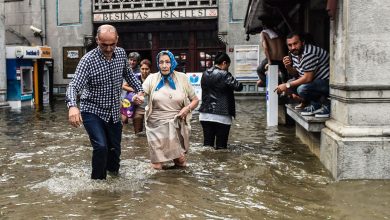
(313, 59)
(100, 82)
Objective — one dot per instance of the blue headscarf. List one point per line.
(169, 76)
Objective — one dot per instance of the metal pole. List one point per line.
(36, 85)
(3, 73)
(272, 96)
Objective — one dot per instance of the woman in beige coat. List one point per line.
(168, 114)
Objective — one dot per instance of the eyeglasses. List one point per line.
(161, 62)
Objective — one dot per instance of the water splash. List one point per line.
(71, 180)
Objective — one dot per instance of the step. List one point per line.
(310, 123)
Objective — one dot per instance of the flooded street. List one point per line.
(266, 173)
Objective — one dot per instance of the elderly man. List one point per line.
(99, 75)
(310, 65)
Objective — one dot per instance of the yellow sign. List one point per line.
(45, 52)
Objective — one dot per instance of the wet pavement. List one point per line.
(266, 173)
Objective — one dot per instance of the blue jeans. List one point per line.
(106, 142)
(316, 91)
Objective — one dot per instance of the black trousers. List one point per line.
(214, 132)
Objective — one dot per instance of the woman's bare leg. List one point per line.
(157, 166)
(181, 161)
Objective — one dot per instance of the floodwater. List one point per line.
(266, 173)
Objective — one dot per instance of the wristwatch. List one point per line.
(288, 85)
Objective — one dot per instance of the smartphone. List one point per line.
(290, 55)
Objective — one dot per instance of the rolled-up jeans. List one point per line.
(316, 91)
(105, 138)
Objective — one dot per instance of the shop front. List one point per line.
(187, 28)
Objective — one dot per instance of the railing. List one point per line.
(140, 5)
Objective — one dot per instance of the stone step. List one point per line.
(310, 123)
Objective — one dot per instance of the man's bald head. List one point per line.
(106, 28)
(107, 38)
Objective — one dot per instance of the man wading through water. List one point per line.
(99, 75)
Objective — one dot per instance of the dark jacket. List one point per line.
(218, 88)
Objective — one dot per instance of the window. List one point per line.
(174, 40)
(207, 39)
(136, 41)
(237, 9)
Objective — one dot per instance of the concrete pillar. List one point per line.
(356, 141)
(3, 74)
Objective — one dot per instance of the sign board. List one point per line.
(194, 79)
(45, 52)
(71, 57)
(246, 60)
(26, 52)
(173, 14)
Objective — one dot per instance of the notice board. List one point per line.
(246, 60)
(71, 57)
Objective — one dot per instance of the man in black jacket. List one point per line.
(218, 104)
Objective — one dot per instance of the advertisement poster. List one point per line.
(246, 60)
(71, 57)
(194, 79)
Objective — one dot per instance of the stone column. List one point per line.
(356, 141)
(3, 74)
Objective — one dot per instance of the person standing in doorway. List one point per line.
(274, 49)
(311, 64)
(99, 76)
(218, 104)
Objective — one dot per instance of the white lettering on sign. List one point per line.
(73, 54)
(156, 15)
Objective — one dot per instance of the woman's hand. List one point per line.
(138, 99)
(184, 112)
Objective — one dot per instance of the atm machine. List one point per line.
(45, 81)
(29, 76)
(19, 82)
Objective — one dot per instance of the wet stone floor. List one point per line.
(266, 173)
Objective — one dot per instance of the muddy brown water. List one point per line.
(266, 173)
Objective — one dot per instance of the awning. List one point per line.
(257, 10)
(252, 24)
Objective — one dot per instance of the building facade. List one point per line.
(355, 142)
(65, 25)
(188, 28)
(194, 30)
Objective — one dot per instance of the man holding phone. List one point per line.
(310, 65)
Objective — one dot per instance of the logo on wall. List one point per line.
(19, 52)
(194, 78)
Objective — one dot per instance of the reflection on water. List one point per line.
(266, 173)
